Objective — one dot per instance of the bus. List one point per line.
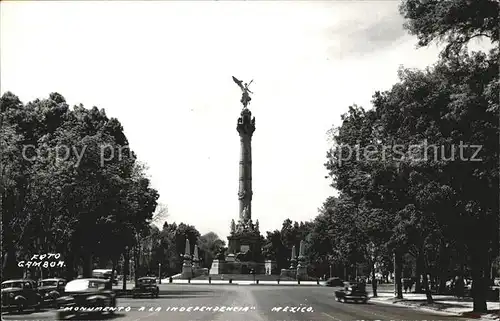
(104, 274)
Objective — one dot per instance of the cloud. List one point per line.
(363, 36)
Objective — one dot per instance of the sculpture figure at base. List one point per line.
(245, 215)
(233, 227)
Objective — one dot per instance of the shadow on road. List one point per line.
(186, 297)
(185, 292)
(88, 317)
(26, 312)
(178, 294)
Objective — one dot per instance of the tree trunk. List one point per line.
(374, 281)
(479, 283)
(9, 264)
(428, 294)
(444, 258)
(427, 290)
(9, 268)
(398, 262)
(126, 268)
(69, 262)
(114, 261)
(419, 272)
(442, 283)
(136, 264)
(87, 265)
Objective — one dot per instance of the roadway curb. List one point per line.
(398, 303)
(243, 283)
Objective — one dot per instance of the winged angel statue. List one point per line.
(245, 97)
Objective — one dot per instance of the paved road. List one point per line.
(313, 303)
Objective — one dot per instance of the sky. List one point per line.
(163, 69)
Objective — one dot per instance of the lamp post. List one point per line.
(394, 270)
(330, 271)
(159, 273)
(125, 268)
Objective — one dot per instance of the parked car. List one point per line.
(87, 296)
(334, 282)
(51, 289)
(354, 292)
(20, 294)
(146, 286)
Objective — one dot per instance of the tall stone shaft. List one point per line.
(245, 127)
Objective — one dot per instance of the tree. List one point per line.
(13, 182)
(447, 110)
(472, 99)
(70, 177)
(161, 214)
(454, 22)
(174, 242)
(370, 187)
(321, 238)
(275, 249)
(210, 245)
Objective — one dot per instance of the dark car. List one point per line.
(146, 286)
(354, 292)
(87, 296)
(51, 289)
(334, 282)
(17, 295)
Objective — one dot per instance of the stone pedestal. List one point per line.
(237, 267)
(288, 273)
(187, 270)
(270, 267)
(302, 269)
(246, 240)
(200, 271)
(302, 272)
(217, 267)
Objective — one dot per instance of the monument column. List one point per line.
(245, 127)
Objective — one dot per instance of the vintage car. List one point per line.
(334, 282)
(353, 292)
(87, 296)
(19, 295)
(146, 286)
(51, 289)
